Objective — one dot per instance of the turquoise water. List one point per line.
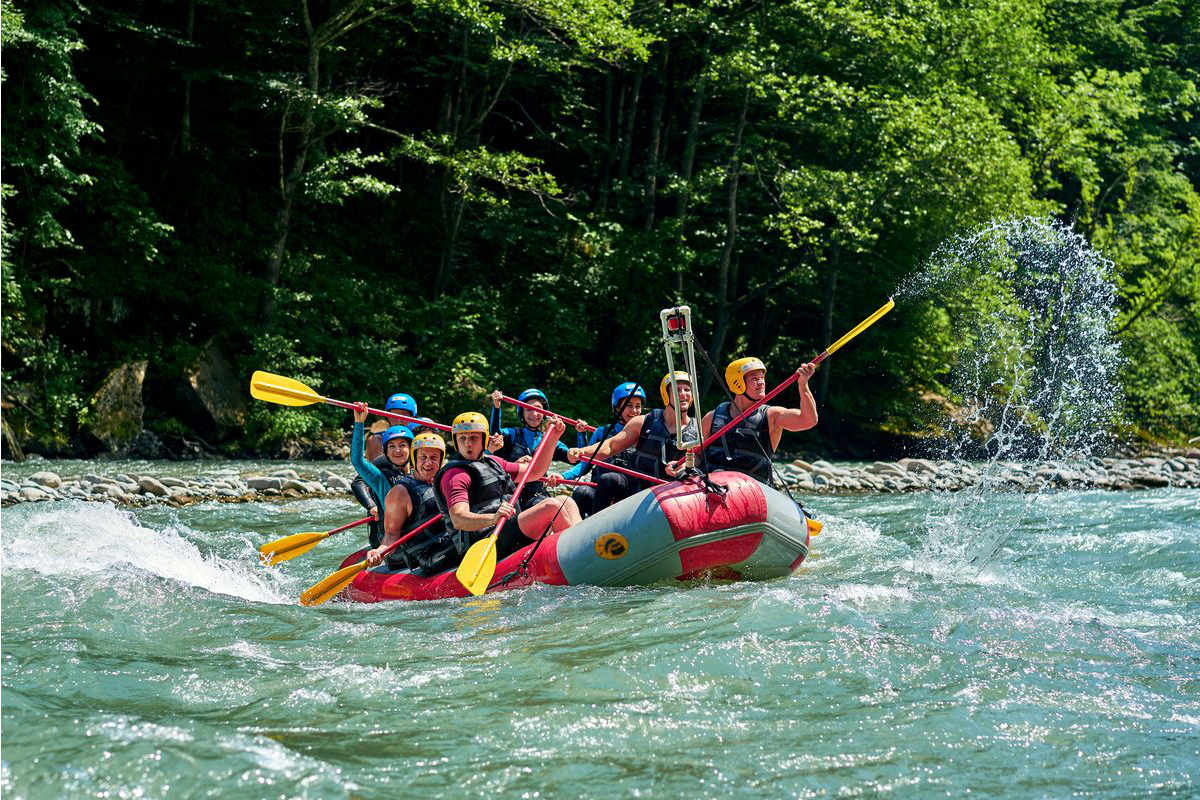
(146, 654)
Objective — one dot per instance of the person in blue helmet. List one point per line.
(521, 440)
(377, 475)
(627, 401)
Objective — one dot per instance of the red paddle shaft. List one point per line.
(547, 412)
(392, 414)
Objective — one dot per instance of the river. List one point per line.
(1031, 646)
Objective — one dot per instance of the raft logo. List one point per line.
(612, 546)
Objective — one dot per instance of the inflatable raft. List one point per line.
(674, 531)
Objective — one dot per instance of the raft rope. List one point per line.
(523, 567)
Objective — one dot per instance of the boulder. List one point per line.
(152, 486)
(262, 483)
(46, 478)
(117, 406)
(30, 494)
(217, 387)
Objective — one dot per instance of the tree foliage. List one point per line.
(448, 195)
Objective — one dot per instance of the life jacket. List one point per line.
(624, 458)
(416, 552)
(490, 485)
(747, 448)
(393, 474)
(657, 444)
(520, 442)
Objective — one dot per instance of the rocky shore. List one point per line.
(818, 477)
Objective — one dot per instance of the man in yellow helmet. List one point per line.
(410, 503)
(652, 437)
(475, 490)
(752, 442)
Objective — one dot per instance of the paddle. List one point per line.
(545, 412)
(826, 353)
(297, 544)
(289, 392)
(321, 591)
(479, 563)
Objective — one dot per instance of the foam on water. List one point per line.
(96, 538)
(1036, 375)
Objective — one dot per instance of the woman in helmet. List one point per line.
(408, 505)
(627, 400)
(475, 490)
(520, 441)
(652, 438)
(376, 477)
(750, 445)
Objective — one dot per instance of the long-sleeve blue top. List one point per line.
(366, 470)
(574, 472)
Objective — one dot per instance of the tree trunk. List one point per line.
(609, 149)
(290, 184)
(827, 319)
(727, 274)
(689, 149)
(627, 137)
(656, 123)
(185, 124)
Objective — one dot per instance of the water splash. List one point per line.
(1036, 372)
(96, 539)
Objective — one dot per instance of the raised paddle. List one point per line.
(297, 544)
(826, 353)
(479, 563)
(545, 412)
(289, 392)
(321, 591)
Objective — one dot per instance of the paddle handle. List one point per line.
(546, 412)
(623, 470)
(569, 482)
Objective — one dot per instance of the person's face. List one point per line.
(685, 395)
(429, 461)
(470, 445)
(534, 418)
(632, 409)
(397, 451)
(756, 383)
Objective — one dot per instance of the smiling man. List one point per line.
(750, 445)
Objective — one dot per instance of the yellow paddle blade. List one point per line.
(478, 566)
(814, 527)
(289, 547)
(281, 390)
(862, 326)
(322, 590)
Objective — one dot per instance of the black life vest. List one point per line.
(517, 444)
(424, 506)
(490, 485)
(657, 444)
(747, 448)
(393, 474)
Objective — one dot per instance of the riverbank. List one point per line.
(130, 488)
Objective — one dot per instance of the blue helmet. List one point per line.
(401, 402)
(416, 426)
(625, 390)
(396, 431)
(532, 394)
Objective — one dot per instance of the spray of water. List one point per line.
(1036, 373)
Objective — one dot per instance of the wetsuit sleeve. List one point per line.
(368, 471)
(362, 493)
(575, 471)
(495, 419)
(509, 435)
(456, 486)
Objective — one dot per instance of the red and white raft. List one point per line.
(674, 531)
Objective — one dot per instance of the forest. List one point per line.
(447, 196)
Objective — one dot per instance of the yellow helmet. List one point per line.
(469, 422)
(677, 375)
(736, 371)
(427, 439)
